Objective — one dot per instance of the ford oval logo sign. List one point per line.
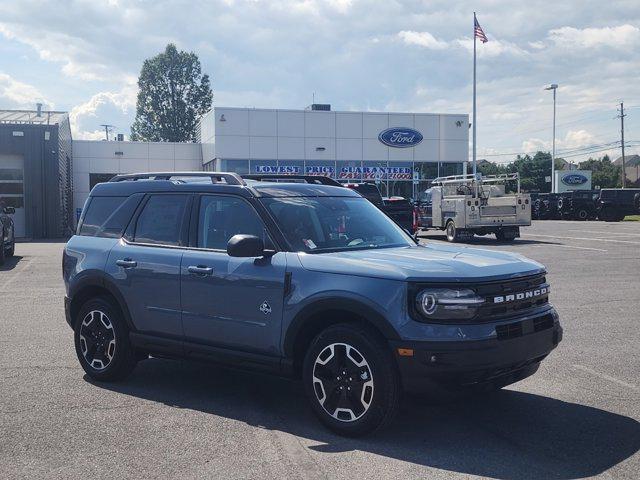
(400, 137)
(574, 179)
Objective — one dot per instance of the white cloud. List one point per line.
(423, 39)
(20, 95)
(123, 101)
(492, 48)
(623, 36)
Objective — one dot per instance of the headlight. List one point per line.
(448, 303)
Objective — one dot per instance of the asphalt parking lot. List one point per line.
(577, 417)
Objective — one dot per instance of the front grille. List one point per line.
(520, 305)
(510, 330)
(542, 323)
(523, 327)
(491, 310)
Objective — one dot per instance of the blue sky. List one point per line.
(84, 57)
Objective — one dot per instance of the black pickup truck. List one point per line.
(578, 205)
(399, 209)
(616, 203)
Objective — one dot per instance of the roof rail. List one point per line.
(229, 178)
(317, 179)
(471, 178)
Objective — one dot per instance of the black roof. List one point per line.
(211, 182)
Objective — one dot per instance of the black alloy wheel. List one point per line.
(351, 379)
(97, 339)
(102, 341)
(343, 382)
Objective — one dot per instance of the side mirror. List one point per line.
(245, 246)
(9, 210)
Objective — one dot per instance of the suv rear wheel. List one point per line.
(102, 341)
(351, 380)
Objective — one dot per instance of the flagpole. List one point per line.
(474, 96)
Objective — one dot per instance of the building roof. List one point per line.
(629, 160)
(30, 117)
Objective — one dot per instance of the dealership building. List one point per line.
(47, 176)
(399, 151)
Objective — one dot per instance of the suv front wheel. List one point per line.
(351, 380)
(102, 341)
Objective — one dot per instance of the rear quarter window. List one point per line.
(108, 216)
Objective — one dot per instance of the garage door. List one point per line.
(12, 188)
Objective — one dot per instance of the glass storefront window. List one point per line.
(235, 166)
(399, 179)
(447, 169)
(426, 170)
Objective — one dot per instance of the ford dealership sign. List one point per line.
(574, 179)
(400, 137)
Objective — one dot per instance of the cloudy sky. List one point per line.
(378, 55)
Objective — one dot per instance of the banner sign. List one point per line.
(376, 173)
(344, 173)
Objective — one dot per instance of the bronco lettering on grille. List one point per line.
(521, 295)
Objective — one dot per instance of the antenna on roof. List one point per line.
(107, 129)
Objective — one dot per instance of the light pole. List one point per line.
(554, 87)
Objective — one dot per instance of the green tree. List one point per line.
(605, 173)
(173, 95)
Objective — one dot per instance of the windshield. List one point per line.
(321, 224)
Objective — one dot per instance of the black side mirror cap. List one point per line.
(9, 210)
(245, 246)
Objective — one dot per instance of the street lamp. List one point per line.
(554, 87)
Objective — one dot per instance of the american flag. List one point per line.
(478, 32)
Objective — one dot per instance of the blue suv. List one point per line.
(302, 277)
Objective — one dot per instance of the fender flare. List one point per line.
(100, 280)
(358, 308)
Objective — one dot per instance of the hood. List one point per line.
(424, 263)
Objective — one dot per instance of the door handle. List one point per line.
(200, 270)
(127, 263)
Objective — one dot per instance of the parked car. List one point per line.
(424, 207)
(7, 234)
(578, 204)
(308, 280)
(545, 206)
(614, 204)
(399, 209)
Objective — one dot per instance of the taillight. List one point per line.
(415, 220)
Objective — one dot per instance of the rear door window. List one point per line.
(161, 220)
(108, 216)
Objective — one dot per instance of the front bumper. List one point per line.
(513, 353)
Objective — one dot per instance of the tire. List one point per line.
(345, 357)
(582, 215)
(100, 322)
(452, 232)
(636, 202)
(505, 235)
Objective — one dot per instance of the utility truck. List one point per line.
(464, 206)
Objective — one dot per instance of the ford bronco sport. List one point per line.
(301, 277)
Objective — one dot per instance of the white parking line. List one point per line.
(606, 233)
(607, 377)
(582, 238)
(568, 246)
